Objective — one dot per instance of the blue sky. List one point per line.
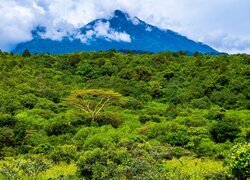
(222, 24)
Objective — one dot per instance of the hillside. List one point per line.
(162, 116)
(120, 31)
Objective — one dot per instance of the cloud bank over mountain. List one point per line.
(224, 24)
(103, 29)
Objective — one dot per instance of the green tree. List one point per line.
(239, 162)
(224, 131)
(26, 53)
(92, 101)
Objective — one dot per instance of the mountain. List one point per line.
(121, 31)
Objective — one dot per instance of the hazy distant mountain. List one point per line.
(119, 32)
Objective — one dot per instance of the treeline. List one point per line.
(120, 115)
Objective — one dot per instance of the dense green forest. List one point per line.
(112, 115)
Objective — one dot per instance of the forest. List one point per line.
(114, 115)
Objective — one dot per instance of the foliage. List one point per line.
(223, 131)
(170, 133)
(33, 167)
(92, 101)
(107, 115)
(26, 53)
(30, 168)
(194, 168)
(63, 153)
(239, 162)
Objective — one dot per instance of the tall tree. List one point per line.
(26, 53)
(92, 101)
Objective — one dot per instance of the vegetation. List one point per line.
(239, 161)
(92, 101)
(113, 115)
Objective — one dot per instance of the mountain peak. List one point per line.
(120, 14)
(121, 31)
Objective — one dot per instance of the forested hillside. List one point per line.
(111, 115)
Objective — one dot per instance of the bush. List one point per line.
(172, 111)
(26, 53)
(60, 124)
(11, 105)
(99, 141)
(119, 163)
(85, 163)
(109, 118)
(132, 103)
(10, 171)
(36, 138)
(206, 147)
(146, 118)
(63, 153)
(33, 167)
(29, 100)
(224, 175)
(43, 149)
(6, 137)
(202, 103)
(216, 113)
(239, 162)
(168, 132)
(223, 131)
(7, 120)
(20, 131)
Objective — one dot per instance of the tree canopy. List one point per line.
(102, 115)
(92, 101)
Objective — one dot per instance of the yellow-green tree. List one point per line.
(240, 161)
(92, 101)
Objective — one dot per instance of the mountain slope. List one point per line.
(119, 32)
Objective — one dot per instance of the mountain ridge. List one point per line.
(121, 31)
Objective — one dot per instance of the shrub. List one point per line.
(36, 138)
(6, 137)
(132, 103)
(60, 124)
(223, 131)
(12, 105)
(10, 171)
(85, 163)
(43, 149)
(63, 153)
(33, 167)
(29, 100)
(109, 118)
(7, 120)
(119, 163)
(172, 111)
(145, 118)
(194, 168)
(26, 53)
(206, 147)
(202, 103)
(168, 132)
(239, 161)
(216, 113)
(99, 141)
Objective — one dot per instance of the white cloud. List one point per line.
(103, 30)
(134, 20)
(148, 28)
(197, 19)
(16, 23)
(58, 30)
(227, 43)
